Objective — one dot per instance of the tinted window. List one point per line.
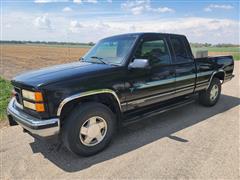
(180, 50)
(155, 51)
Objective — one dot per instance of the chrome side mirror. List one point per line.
(139, 64)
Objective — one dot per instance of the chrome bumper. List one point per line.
(34, 125)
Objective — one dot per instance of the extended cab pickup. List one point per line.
(121, 79)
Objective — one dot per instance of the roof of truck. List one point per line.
(146, 33)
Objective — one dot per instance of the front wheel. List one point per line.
(211, 96)
(89, 128)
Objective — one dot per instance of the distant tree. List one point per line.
(207, 45)
(91, 44)
(227, 45)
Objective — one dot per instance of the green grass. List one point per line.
(5, 94)
(236, 57)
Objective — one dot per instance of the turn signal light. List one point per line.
(40, 107)
(38, 96)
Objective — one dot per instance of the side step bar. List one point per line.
(157, 111)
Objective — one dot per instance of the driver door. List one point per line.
(156, 83)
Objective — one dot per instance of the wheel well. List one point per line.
(219, 75)
(105, 98)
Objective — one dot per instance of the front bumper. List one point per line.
(44, 128)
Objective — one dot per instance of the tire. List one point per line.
(211, 96)
(81, 135)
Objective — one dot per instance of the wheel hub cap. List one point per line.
(93, 131)
(214, 92)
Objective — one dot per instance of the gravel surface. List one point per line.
(189, 142)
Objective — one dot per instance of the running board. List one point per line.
(155, 112)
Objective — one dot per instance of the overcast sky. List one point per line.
(91, 20)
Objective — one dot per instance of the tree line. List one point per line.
(197, 45)
(92, 43)
(46, 43)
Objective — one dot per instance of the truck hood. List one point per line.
(56, 73)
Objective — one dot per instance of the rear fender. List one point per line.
(220, 74)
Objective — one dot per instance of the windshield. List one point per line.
(111, 50)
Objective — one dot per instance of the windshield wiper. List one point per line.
(82, 59)
(99, 58)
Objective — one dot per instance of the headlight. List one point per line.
(35, 96)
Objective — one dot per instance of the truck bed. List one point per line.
(216, 63)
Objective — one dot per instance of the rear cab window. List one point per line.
(180, 50)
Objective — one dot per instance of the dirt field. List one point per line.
(221, 53)
(16, 59)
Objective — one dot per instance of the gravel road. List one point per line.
(189, 142)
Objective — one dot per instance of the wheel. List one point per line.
(211, 95)
(89, 128)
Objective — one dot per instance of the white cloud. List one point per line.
(67, 9)
(77, 1)
(102, 25)
(163, 10)
(136, 7)
(87, 1)
(139, 6)
(49, 1)
(43, 22)
(211, 7)
(33, 26)
(109, 1)
(197, 29)
(90, 1)
(75, 26)
(7, 26)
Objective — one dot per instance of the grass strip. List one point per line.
(5, 95)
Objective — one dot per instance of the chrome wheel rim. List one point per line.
(214, 92)
(93, 131)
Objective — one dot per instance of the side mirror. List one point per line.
(139, 64)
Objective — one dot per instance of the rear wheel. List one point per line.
(211, 96)
(89, 129)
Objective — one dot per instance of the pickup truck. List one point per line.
(122, 79)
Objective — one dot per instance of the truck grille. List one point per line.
(18, 95)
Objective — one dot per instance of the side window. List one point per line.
(180, 50)
(156, 51)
